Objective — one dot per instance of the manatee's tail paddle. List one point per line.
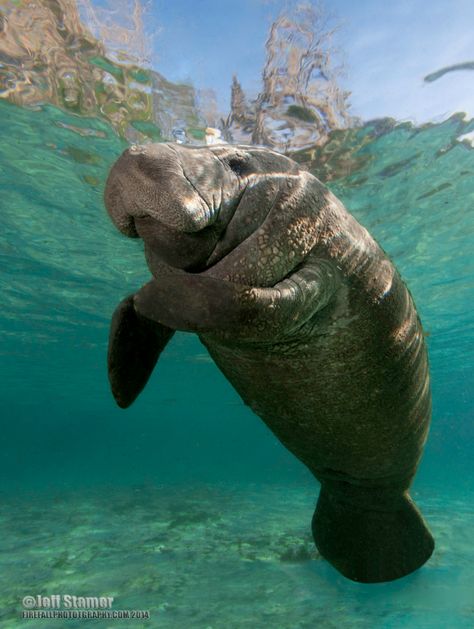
(370, 536)
(135, 344)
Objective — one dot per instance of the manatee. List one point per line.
(303, 313)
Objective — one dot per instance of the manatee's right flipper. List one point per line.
(202, 303)
(135, 344)
(370, 535)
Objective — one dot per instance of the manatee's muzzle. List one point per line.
(172, 198)
(153, 181)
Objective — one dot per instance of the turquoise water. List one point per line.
(185, 504)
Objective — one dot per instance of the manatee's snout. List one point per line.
(165, 183)
(173, 197)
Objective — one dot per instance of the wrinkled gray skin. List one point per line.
(303, 313)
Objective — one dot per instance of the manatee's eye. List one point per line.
(239, 165)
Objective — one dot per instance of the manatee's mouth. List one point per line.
(191, 251)
(188, 251)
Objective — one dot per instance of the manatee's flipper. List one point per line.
(200, 303)
(134, 347)
(190, 302)
(370, 535)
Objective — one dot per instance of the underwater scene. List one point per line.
(185, 510)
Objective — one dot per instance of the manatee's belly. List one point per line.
(353, 400)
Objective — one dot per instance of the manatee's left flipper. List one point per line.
(198, 303)
(134, 347)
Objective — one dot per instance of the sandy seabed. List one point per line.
(213, 557)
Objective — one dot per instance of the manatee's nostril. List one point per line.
(136, 149)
